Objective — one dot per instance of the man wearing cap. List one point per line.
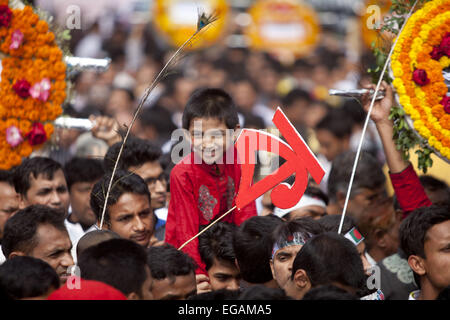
(312, 204)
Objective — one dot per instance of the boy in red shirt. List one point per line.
(204, 184)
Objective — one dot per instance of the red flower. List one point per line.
(37, 135)
(22, 88)
(446, 103)
(5, 16)
(437, 53)
(420, 77)
(445, 45)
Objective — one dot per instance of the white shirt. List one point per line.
(370, 259)
(2, 256)
(75, 231)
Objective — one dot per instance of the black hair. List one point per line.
(369, 173)
(330, 223)
(167, 262)
(328, 258)
(354, 110)
(221, 294)
(311, 191)
(27, 277)
(159, 118)
(210, 102)
(20, 230)
(414, 228)
(135, 152)
(252, 245)
(444, 294)
(217, 243)
(294, 95)
(329, 292)
(306, 227)
(82, 170)
(432, 185)
(261, 292)
(120, 263)
(93, 238)
(337, 122)
(123, 182)
(35, 167)
(7, 177)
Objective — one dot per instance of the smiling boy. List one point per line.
(204, 184)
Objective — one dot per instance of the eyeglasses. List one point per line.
(151, 182)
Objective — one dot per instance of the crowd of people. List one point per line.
(78, 222)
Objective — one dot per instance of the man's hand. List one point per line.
(381, 108)
(203, 284)
(106, 129)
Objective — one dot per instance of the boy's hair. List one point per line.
(328, 258)
(33, 166)
(294, 95)
(93, 238)
(305, 227)
(369, 174)
(337, 122)
(135, 152)
(329, 292)
(123, 182)
(21, 228)
(7, 176)
(261, 292)
(167, 262)
(330, 223)
(118, 262)
(217, 243)
(414, 228)
(210, 103)
(82, 170)
(27, 277)
(252, 245)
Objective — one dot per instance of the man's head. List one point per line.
(288, 239)
(312, 204)
(9, 199)
(38, 231)
(28, 278)
(328, 258)
(142, 158)
(41, 180)
(296, 104)
(216, 250)
(208, 115)
(173, 273)
(252, 245)
(81, 175)
(93, 238)
(333, 133)
(380, 224)
(120, 263)
(368, 186)
(437, 190)
(128, 211)
(425, 239)
(331, 223)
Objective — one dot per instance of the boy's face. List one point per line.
(224, 275)
(210, 138)
(281, 264)
(330, 145)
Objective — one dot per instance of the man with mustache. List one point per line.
(128, 212)
(38, 231)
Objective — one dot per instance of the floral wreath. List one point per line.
(420, 56)
(33, 83)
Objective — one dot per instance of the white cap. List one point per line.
(305, 201)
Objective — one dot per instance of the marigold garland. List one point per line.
(33, 83)
(417, 58)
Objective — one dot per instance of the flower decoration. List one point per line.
(421, 54)
(13, 136)
(33, 83)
